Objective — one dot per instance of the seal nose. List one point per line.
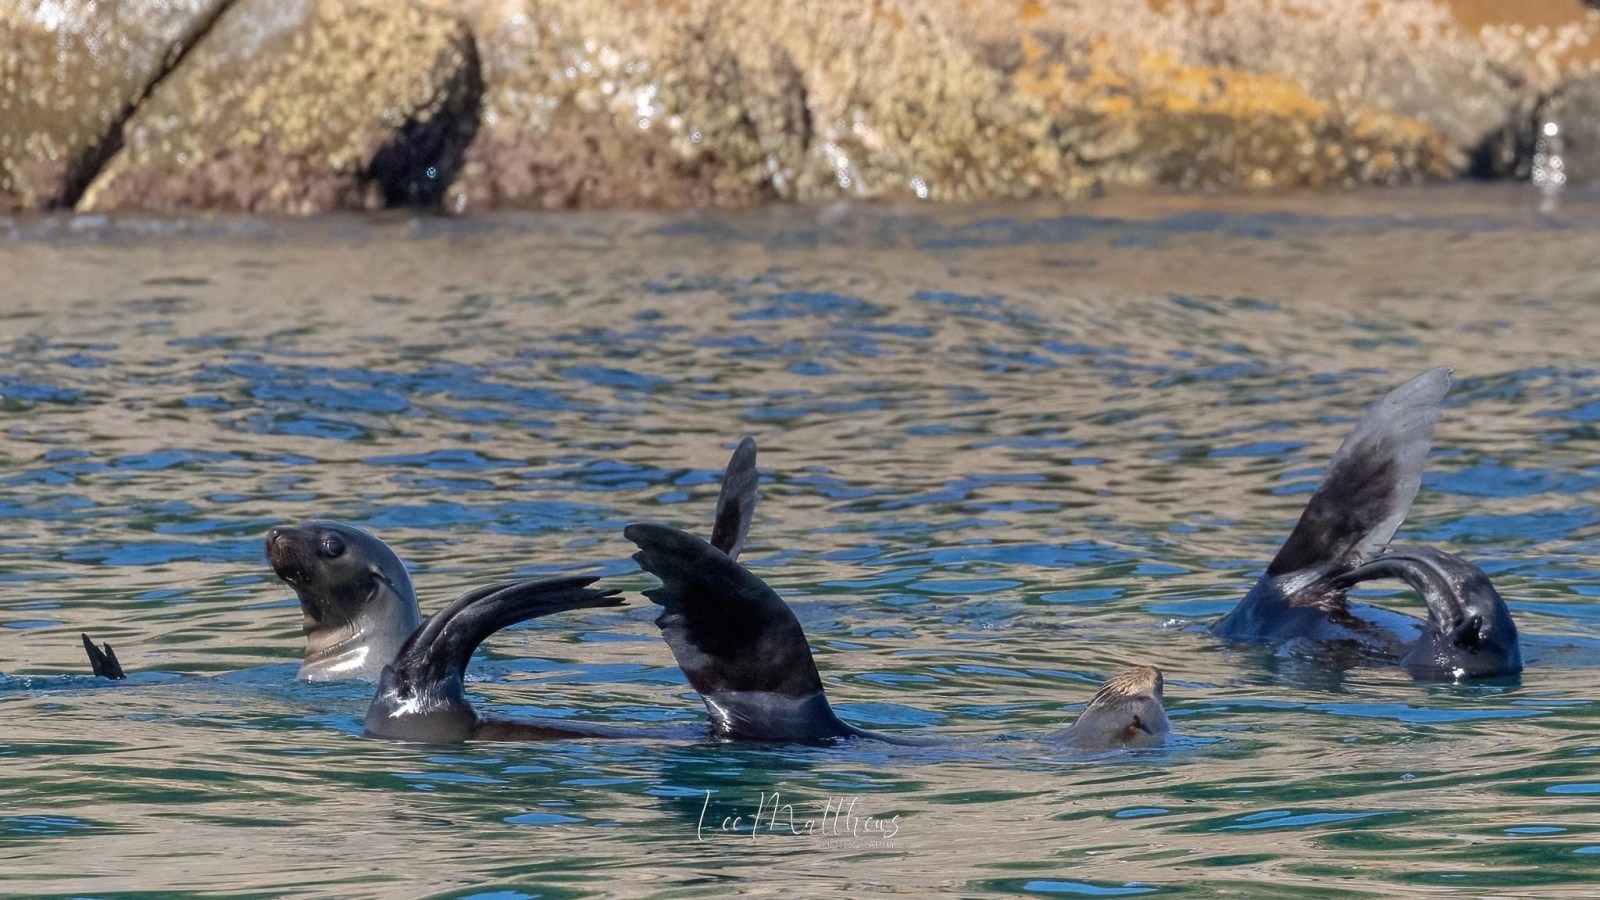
(274, 535)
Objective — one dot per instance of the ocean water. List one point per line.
(1006, 452)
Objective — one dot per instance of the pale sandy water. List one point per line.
(1006, 452)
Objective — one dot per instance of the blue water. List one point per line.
(1006, 452)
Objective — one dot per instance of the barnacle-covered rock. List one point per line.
(69, 74)
(300, 106)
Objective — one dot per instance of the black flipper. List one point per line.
(1370, 482)
(1470, 633)
(1354, 512)
(736, 505)
(736, 640)
(103, 660)
(420, 696)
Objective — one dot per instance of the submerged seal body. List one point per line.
(1126, 713)
(1338, 543)
(356, 601)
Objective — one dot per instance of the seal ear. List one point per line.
(438, 651)
(736, 640)
(1370, 481)
(103, 660)
(736, 505)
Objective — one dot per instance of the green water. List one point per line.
(1006, 452)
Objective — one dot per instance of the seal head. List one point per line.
(356, 600)
(1469, 633)
(1126, 713)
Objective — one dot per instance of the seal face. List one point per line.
(1339, 542)
(356, 601)
(1126, 713)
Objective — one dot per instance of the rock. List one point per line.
(69, 74)
(630, 103)
(696, 102)
(301, 106)
(308, 105)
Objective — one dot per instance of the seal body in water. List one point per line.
(356, 601)
(420, 696)
(1338, 543)
(1126, 713)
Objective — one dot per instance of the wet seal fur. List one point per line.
(1126, 713)
(1337, 544)
(356, 600)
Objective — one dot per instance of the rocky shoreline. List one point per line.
(305, 106)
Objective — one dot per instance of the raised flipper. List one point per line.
(1469, 633)
(736, 505)
(736, 640)
(1125, 713)
(1354, 512)
(419, 696)
(103, 660)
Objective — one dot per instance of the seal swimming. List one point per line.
(356, 601)
(419, 695)
(743, 650)
(1338, 543)
(1126, 713)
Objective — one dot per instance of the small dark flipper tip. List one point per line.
(103, 660)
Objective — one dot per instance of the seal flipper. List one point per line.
(1354, 512)
(1470, 633)
(736, 504)
(420, 695)
(1370, 482)
(736, 640)
(1126, 712)
(103, 660)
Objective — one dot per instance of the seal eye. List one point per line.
(332, 546)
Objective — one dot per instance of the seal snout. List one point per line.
(287, 557)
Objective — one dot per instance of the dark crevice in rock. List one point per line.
(418, 166)
(83, 170)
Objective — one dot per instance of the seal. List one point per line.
(1338, 543)
(356, 601)
(1125, 714)
(419, 696)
